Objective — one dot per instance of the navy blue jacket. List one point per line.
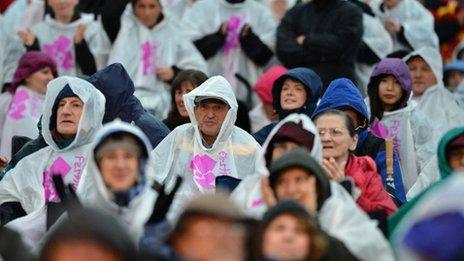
(342, 93)
(313, 85)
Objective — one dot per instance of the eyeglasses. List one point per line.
(335, 132)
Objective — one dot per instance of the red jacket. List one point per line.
(366, 178)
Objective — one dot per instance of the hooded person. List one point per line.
(208, 147)
(453, 75)
(337, 213)
(153, 50)
(263, 113)
(74, 40)
(115, 179)
(27, 92)
(429, 92)
(392, 117)
(343, 95)
(296, 91)
(236, 37)
(72, 115)
(409, 23)
(450, 148)
(430, 230)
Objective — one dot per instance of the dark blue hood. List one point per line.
(342, 93)
(313, 85)
(118, 88)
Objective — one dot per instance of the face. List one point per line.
(456, 159)
(185, 88)
(76, 250)
(293, 184)
(210, 116)
(335, 138)
(391, 3)
(281, 147)
(68, 116)
(147, 11)
(119, 168)
(390, 91)
(422, 76)
(286, 239)
(454, 79)
(211, 239)
(38, 80)
(293, 95)
(63, 7)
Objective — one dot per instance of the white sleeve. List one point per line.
(425, 137)
(418, 29)
(428, 176)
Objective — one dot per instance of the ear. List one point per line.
(354, 142)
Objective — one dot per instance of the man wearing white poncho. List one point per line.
(195, 153)
(337, 213)
(234, 36)
(148, 51)
(133, 205)
(68, 138)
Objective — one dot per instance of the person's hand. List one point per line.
(246, 29)
(223, 28)
(79, 35)
(393, 27)
(334, 170)
(164, 73)
(3, 162)
(268, 194)
(300, 39)
(27, 37)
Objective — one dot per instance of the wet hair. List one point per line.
(347, 121)
(121, 136)
(194, 77)
(134, 2)
(376, 104)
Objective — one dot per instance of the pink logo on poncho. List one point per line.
(202, 167)
(148, 57)
(59, 166)
(379, 130)
(18, 106)
(233, 33)
(60, 51)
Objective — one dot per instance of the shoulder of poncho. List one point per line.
(243, 136)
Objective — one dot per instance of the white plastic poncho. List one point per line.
(21, 118)
(93, 192)
(379, 41)
(140, 50)
(414, 140)
(57, 41)
(437, 102)
(339, 216)
(30, 182)
(416, 20)
(445, 198)
(11, 50)
(231, 59)
(429, 175)
(183, 153)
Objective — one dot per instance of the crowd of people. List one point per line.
(231, 130)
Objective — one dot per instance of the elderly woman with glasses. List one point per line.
(339, 140)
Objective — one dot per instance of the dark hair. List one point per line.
(133, 2)
(196, 78)
(375, 104)
(349, 124)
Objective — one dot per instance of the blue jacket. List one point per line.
(313, 85)
(342, 93)
(118, 88)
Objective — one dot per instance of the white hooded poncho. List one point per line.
(21, 118)
(437, 102)
(140, 50)
(93, 192)
(206, 16)
(339, 216)
(30, 182)
(415, 140)
(57, 41)
(182, 152)
(416, 20)
(11, 50)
